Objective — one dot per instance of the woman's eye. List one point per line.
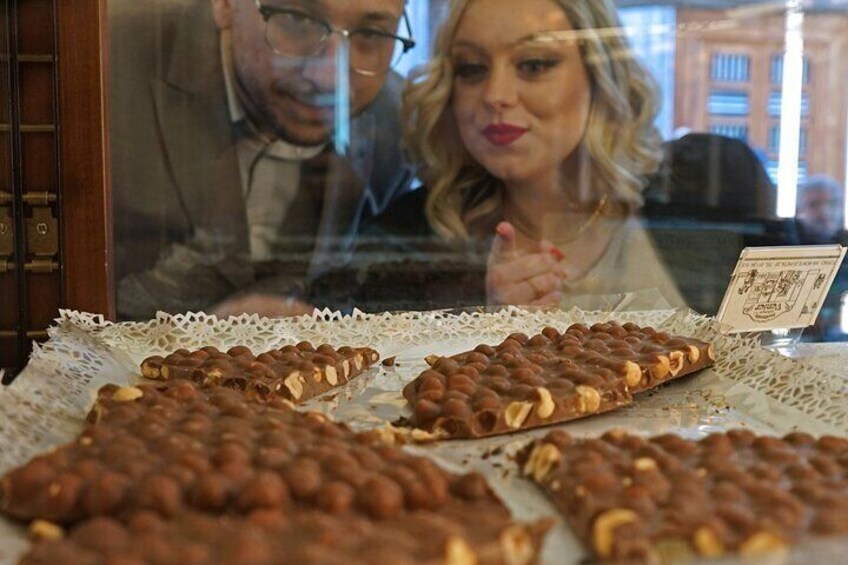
(469, 71)
(536, 66)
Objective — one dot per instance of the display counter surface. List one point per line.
(749, 387)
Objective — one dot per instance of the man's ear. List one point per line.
(222, 11)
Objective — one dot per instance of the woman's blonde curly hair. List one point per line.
(621, 143)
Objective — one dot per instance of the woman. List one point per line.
(533, 123)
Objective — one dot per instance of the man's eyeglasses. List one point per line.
(291, 32)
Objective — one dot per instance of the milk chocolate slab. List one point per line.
(178, 448)
(526, 382)
(294, 372)
(271, 537)
(667, 498)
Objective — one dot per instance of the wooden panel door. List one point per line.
(54, 213)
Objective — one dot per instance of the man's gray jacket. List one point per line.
(180, 221)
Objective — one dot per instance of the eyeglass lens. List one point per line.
(293, 36)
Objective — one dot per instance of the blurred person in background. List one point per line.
(533, 129)
(820, 211)
(228, 193)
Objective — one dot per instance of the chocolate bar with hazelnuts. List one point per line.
(669, 499)
(527, 382)
(181, 465)
(294, 372)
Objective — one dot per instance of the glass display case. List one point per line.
(743, 102)
(291, 249)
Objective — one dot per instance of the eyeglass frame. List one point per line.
(267, 12)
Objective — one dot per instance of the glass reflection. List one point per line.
(232, 196)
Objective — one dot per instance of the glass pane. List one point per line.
(728, 103)
(247, 181)
(730, 68)
(775, 100)
(730, 130)
(776, 70)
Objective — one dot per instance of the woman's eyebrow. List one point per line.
(549, 36)
(464, 44)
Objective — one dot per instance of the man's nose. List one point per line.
(500, 89)
(321, 69)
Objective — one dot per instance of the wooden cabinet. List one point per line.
(55, 228)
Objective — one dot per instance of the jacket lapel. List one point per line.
(197, 138)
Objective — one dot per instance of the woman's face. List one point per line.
(520, 103)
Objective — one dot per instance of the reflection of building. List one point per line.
(730, 83)
(728, 70)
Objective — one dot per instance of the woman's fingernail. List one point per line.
(558, 255)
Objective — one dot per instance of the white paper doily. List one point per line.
(748, 386)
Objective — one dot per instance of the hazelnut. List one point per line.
(660, 368)
(264, 490)
(545, 408)
(707, 543)
(588, 399)
(516, 414)
(381, 497)
(604, 527)
(44, 530)
(127, 394)
(760, 543)
(711, 353)
(645, 464)
(345, 370)
(632, 373)
(426, 410)
(458, 552)
(358, 361)
(336, 497)
(332, 375)
(423, 436)
(517, 546)
(151, 368)
(676, 360)
(431, 359)
(542, 459)
(693, 353)
(294, 383)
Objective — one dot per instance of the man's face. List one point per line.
(820, 212)
(294, 98)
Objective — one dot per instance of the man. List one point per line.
(819, 211)
(229, 192)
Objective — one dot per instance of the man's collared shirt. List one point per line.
(270, 170)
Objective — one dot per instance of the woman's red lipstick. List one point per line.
(503, 134)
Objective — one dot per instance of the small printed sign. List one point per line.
(779, 287)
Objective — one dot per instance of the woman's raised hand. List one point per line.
(523, 277)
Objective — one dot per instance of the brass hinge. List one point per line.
(42, 233)
(41, 266)
(6, 265)
(39, 198)
(34, 334)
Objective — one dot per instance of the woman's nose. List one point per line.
(500, 89)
